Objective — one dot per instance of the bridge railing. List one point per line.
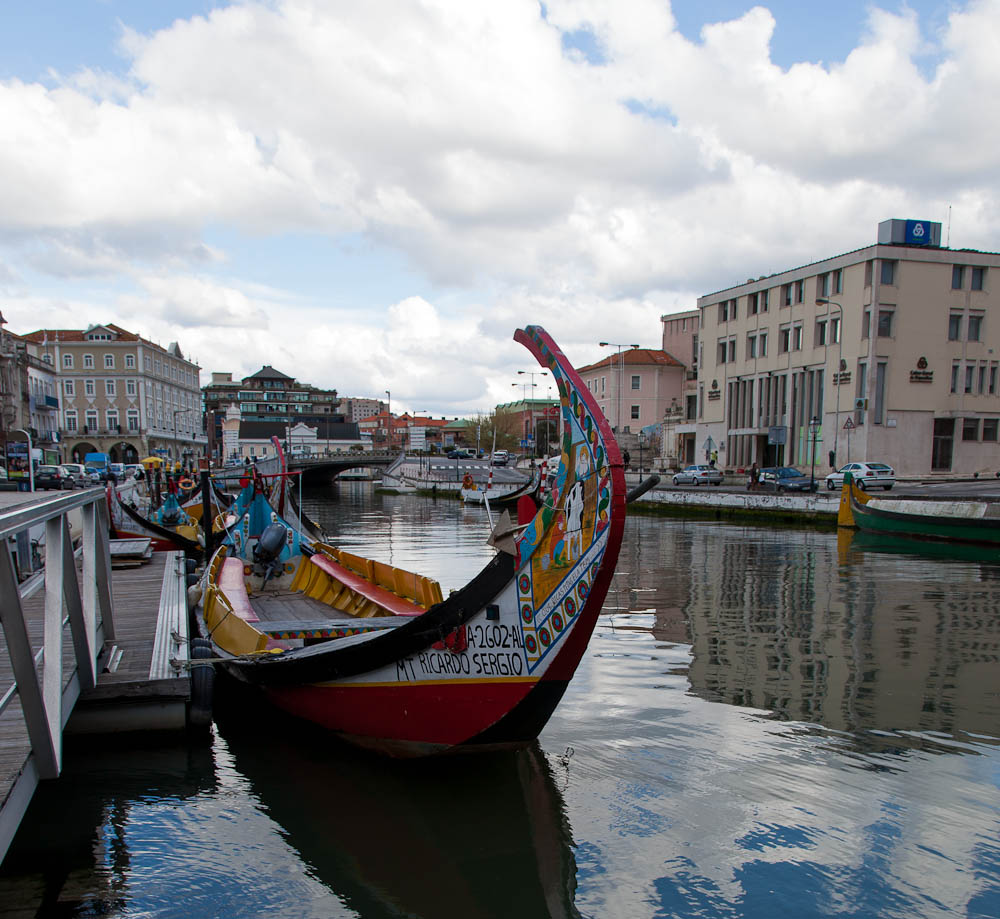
(47, 698)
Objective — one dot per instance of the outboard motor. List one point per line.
(171, 516)
(267, 552)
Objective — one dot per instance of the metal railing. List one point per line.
(47, 697)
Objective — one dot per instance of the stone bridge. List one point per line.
(327, 466)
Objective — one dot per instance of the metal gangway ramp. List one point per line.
(61, 639)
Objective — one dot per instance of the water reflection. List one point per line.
(857, 641)
(475, 836)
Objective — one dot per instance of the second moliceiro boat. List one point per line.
(377, 656)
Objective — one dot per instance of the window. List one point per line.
(975, 327)
(955, 327)
(67, 361)
(786, 294)
(635, 412)
(868, 274)
(109, 387)
(147, 363)
(885, 323)
(88, 387)
(88, 361)
(133, 419)
(732, 350)
(800, 291)
(130, 361)
(838, 281)
(109, 362)
(635, 381)
(797, 338)
(954, 377)
(820, 338)
(866, 323)
(69, 388)
(784, 339)
(764, 300)
(723, 351)
(957, 276)
(602, 384)
(130, 387)
(888, 272)
(993, 379)
(969, 370)
(762, 344)
(751, 346)
(970, 429)
(978, 276)
(981, 387)
(91, 420)
(823, 285)
(990, 429)
(752, 304)
(71, 422)
(112, 416)
(835, 330)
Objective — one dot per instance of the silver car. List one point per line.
(698, 475)
(867, 475)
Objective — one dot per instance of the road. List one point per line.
(975, 490)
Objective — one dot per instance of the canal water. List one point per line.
(769, 722)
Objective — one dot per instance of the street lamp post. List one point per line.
(618, 383)
(642, 443)
(814, 425)
(531, 410)
(840, 369)
(388, 420)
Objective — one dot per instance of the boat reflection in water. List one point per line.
(468, 836)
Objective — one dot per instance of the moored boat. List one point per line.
(956, 521)
(379, 657)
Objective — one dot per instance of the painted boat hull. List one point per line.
(485, 667)
(872, 519)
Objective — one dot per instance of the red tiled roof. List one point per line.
(636, 357)
(77, 335)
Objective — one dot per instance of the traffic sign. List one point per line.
(849, 424)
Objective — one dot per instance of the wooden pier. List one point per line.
(120, 634)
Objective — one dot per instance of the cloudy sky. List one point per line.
(373, 196)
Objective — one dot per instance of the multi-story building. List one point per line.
(635, 389)
(888, 353)
(121, 394)
(355, 408)
(680, 338)
(267, 395)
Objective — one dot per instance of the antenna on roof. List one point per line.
(947, 242)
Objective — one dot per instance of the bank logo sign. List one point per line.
(918, 232)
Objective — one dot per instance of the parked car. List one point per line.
(867, 475)
(786, 478)
(78, 471)
(698, 475)
(457, 453)
(53, 477)
(500, 457)
(132, 470)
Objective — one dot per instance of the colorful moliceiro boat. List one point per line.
(379, 657)
(956, 521)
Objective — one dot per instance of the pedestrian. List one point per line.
(754, 476)
(626, 458)
(714, 459)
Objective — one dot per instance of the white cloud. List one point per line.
(464, 136)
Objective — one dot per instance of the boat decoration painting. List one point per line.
(379, 657)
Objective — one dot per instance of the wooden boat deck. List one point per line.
(290, 614)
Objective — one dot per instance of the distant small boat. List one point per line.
(957, 521)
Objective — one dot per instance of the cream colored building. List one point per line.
(890, 351)
(122, 395)
(680, 422)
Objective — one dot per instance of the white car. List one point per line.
(867, 475)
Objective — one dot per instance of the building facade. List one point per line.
(267, 396)
(680, 422)
(887, 353)
(121, 394)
